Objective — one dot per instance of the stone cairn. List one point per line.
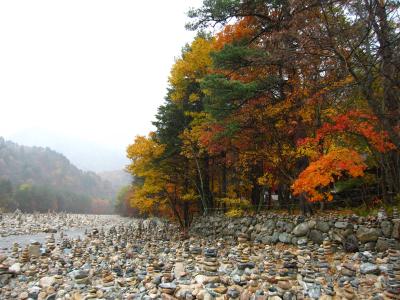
(82, 277)
(289, 265)
(43, 265)
(269, 266)
(34, 250)
(25, 255)
(322, 265)
(77, 251)
(15, 250)
(392, 290)
(327, 245)
(107, 278)
(244, 251)
(348, 292)
(309, 277)
(287, 272)
(92, 293)
(32, 270)
(382, 214)
(188, 257)
(130, 276)
(50, 242)
(3, 267)
(395, 214)
(210, 262)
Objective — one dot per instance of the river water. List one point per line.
(25, 228)
(25, 239)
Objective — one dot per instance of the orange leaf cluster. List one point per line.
(358, 123)
(238, 31)
(326, 170)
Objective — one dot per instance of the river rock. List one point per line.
(15, 268)
(350, 243)
(285, 238)
(341, 225)
(322, 226)
(382, 245)
(365, 234)
(386, 227)
(316, 236)
(301, 230)
(23, 296)
(369, 268)
(396, 229)
(45, 282)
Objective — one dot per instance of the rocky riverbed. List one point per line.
(119, 258)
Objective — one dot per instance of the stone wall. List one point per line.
(350, 233)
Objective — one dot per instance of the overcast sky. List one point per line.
(92, 69)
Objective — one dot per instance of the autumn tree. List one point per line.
(165, 188)
(303, 61)
(278, 96)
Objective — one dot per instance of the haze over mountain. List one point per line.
(117, 178)
(87, 72)
(85, 154)
(41, 179)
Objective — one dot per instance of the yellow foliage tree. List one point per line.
(163, 189)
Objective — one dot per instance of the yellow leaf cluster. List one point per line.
(191, 67)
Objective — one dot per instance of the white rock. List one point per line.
(179, 269)
(15, 268)
(46, 281)
(200, 279)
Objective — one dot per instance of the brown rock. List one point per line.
(284, 285)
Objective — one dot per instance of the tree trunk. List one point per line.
(224, 178)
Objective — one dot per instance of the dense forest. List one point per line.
(39, 179)
(288, 100)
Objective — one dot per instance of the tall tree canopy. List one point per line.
(282, 96)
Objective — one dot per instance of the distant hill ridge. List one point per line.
(85, 154)
(43, 166)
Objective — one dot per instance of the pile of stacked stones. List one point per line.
(347, 233)
(17, 223)
(116, 262)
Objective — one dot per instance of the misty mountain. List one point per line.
(118, 178)
(38, 166)
(84, 154)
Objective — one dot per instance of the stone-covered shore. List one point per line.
(349, 233)
(263, 257)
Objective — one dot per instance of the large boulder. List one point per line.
(342, 225)
(382, 245)
(323, 226)
(289, 227)
(350, 243)
(285, 238)
(312, 224)
(301, 230)
(316, 236)
(280, 226)
(268, 227)
(337, 236)
(365, 234)
(275, 237)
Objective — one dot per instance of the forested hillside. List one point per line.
(293, 98)
(35, 178)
